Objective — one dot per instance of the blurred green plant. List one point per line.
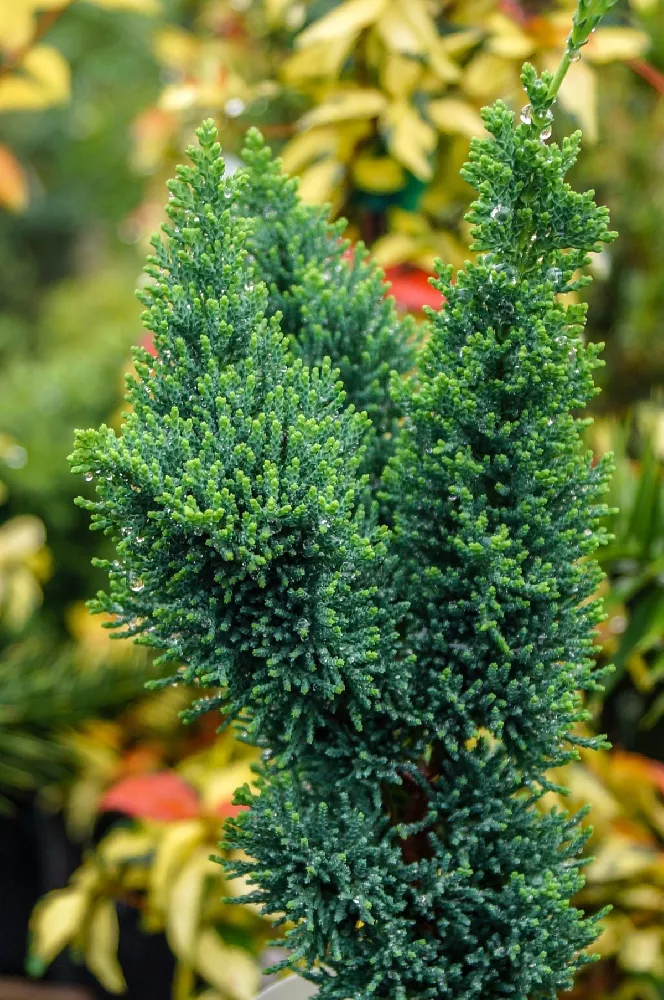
(632, 637)
(41, 696)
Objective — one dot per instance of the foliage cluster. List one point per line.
(412, 688)
(81, 187)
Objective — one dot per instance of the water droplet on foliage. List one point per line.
(137, 586)
(545, 133)
(574, 55)
(88, 477)
(527, 115)
(499, 212)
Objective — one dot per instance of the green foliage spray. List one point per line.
(409, 685)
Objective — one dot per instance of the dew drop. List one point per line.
(88, 477)
(527, 115)
(137, 586)
(545, 133)
(574, 56)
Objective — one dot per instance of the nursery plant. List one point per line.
(409, 651)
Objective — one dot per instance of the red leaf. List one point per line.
(147, 343)
(152, 796)
(411, 288)
(648, 72)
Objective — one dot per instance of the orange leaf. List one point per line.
(13, 182)
(638, 767)
(147, 343)
(227, 810)
(648, 72)
(163, 796)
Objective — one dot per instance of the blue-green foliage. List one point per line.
(409, 689)
(330, 306)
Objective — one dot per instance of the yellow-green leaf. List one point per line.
(643, 6)
(410, 139)
(611, 44)
(344, 21)
(317, 61)
(16, 25)
(308, 146)
(357, 102)
(176, 47)
(172, 848)
(123, 846)
(378, 174)
(507, 40)
(185, 900)
(417, 15)
(642, 897)
(44, 81)
(458, 42)
(400, 75)
(139, 6)
(454, 116)
(101, 947)
(395, 248)
(55, 921)
(230, 969)
(20, 538)
(487, 75)
(642, 950)
(222, 785)
(578, 95)
(398, 35)
(619, 858)
(275, 9)
(320, 181)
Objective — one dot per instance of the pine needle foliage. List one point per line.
(410, 688)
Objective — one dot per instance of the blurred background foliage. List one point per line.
(108, 805)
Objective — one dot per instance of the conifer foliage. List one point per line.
(410, 688)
